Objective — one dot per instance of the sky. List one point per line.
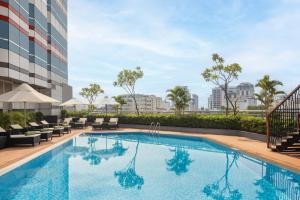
(173, 40)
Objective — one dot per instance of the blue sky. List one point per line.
(172, 40)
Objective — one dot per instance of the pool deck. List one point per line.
(14, 156)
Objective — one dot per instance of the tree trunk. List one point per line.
(226, 98)
(136, 106)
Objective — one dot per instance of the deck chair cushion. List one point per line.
(16, 127)
(29, 133)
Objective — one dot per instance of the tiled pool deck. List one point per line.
(14, 156)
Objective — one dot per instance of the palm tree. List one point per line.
(120, 101)
(180, 96)
(268, 91)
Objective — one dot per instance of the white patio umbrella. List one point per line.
(72, 103)
(107, 101)
(24, 93)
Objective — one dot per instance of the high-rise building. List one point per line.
(33, 47)
(194, 103)
(243, 94)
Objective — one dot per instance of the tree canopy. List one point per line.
(268, 91)
(181, 97)
(127, 80)
(91, 93)
(222, 75)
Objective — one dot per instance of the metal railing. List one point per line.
(154, 129)
(284, 118)
(157, 128)
(151, 128)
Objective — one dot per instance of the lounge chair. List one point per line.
(57, 130)
(113, 123)
(46, 133)
(45, 124)
(3, 138)
(17, 137)
(81, 123)
(98, 124)
(66, 124)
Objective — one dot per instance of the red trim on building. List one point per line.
(25, 32)
(6, 5)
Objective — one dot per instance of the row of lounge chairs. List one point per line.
(43, 131)
(101, 124)
(34, 133)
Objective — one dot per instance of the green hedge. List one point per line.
(244, 123)
(17, 117)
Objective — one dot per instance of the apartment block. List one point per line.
(242, 93)
(145, 103)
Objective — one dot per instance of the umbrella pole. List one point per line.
(25, 113)
(105, 109)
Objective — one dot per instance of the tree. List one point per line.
(268, 91)
(121, 101)
(91, 93)
(127, 80)
(222, 75)
(180, 96)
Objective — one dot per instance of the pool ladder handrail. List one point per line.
(154, 129)
(157, 129)
(151, 128)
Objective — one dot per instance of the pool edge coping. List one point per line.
(18, 163)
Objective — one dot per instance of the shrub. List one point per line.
(17, 118)
(251, 124)
(244, 123)
(39, 116)
(4, 120)
(64, 114)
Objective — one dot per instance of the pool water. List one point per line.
(138, 166)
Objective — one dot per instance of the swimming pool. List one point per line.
(139, 166)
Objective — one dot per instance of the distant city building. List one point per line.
(145, 103)
(243, 94)
(194, 103)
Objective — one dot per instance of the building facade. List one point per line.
(34, 47)
(242, 93)
(194, 103)
(145, 103)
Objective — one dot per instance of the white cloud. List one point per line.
(173, 41)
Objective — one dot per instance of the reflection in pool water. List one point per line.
(221, 188)
(180, 161)
(128, 177)
(137, 166)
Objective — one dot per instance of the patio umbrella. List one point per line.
(107, 101)
(24, 93)
(72, 103)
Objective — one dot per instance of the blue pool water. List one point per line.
(138, 166)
